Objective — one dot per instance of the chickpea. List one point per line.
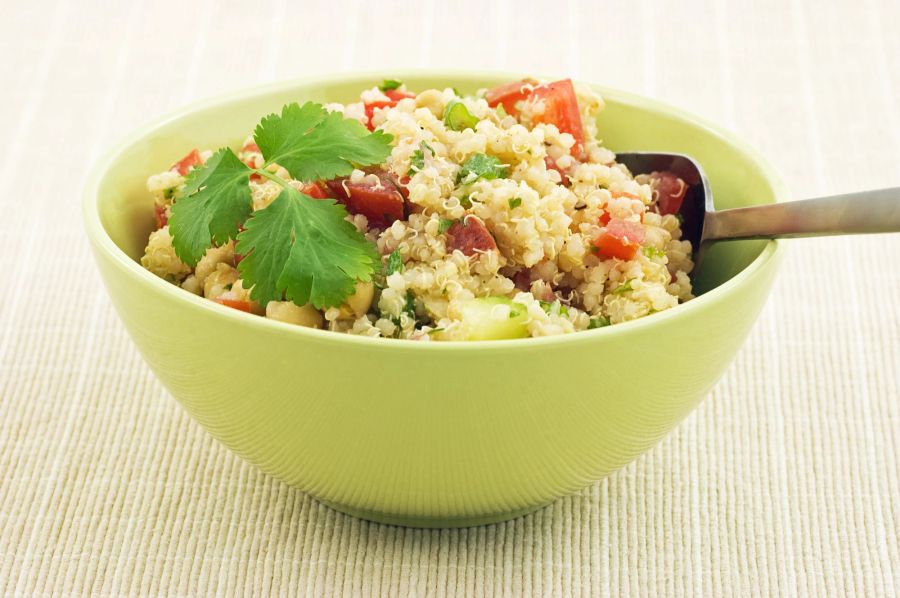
(290, 312)
(360, 301)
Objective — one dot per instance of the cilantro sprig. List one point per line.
(298, 248)
(389, 84)
(481, 166)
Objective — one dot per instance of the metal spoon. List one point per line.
(876, 211)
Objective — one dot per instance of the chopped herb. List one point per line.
(598, 322)
(466, 202)
(652, 252)
(417, 162)
(409, 308)
(554, 307)
(389, 84)
(445, 225)
(481, 166)
(624, 288)
(169, 193)
(501, 111)
(394, 263)
(228, 286)
(513, 314)
(515, 202)
(289, 245)
(456, 92)
(457, 117)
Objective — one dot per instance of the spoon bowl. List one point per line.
(875, 211)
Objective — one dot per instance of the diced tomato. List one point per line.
(184, 165)
(510, 94)
(604, 219)
(315, 190)
(470, 235)
(380, 203)
(251, 146)
(669, 191)
(162, 218)
(236, 304)
(624, 194)
(620, 239)
(560, 108)
(522, 280)
(552, 165)
(370, 111)
(396, 95)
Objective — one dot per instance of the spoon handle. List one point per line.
(876, 211)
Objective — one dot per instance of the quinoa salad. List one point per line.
(427, 215)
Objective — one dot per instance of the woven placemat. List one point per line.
(784, 481)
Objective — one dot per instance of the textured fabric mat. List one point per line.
(783, 482)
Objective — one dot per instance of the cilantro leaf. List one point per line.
(389, 84)
(417, 160)
(515, 202)
(303, 249)
(394, 263)
(312, 143)
(554, 307)
(444, 225)
(598, 322)
(215, 201)
(481, 166)
(623, 288)
(652, 252)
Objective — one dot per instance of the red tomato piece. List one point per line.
(380, 203)
(470, 235)
(396, 95)
(552, 165)
(236, 304)
(315, 190)
(370, 111)
(162, 218)
(560, 108)
(624, 194)
(620, 239)
(510, 94)
(184, 165)
(251, 146)
(522, 280)
(604, 219)
(669, 191)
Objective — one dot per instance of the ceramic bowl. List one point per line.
(430, 434)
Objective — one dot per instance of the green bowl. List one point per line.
(430, 434)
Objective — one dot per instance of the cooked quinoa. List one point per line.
(522, 204)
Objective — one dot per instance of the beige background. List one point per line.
(784, 482)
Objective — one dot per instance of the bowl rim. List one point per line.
(102, 242)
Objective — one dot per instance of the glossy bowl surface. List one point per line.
(430, 434)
